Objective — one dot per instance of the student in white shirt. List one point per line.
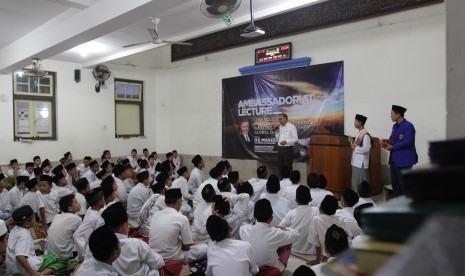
(31, 198)
(82, 187)
(300, 219)
(133, 159)
(215, 176)
(364, 192)
(357, 215)
(318, 193)
(150, 207)
(92, 220)
(361, 146)
(222, 207)
(247, 189)
(105, 248)
(228, 257)
(37, 162)
(60, 189)
(280, 204)
(290, 191)
(181, 183)
(119, 172)
(84, 166)
(258, 183)
(170, 234)
(93, 169)
(202, 212)
(176, 160)
(47, 167)
(48, 208)
(107, 167)
(285, 181)
(18, 191)
(29, 170)
(234, 180)
(71, 175)
(151, 168)
(336, 241)
(102, 174)
(3, 237)
(145, 154)
(67, 158)
(15, 170)
(5, 206)
(196, 177)
(20, 253)
(266, 239)
(60, 234)
(37, 173)
(136, 258)
(138, 195)
(320, 224)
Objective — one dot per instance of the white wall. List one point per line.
(85, 119)
(395, 59)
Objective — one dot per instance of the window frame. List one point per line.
(33, 99)
(139, 102)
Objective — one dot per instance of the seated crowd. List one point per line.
(145, 216)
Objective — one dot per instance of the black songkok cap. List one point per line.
(361, 118)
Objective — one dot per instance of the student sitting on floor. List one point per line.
(299, 219)
(60, 189)
(149, 208)
(247, 189)
(18, 191)
(138, 195)
(136, 257)
(235, 218)
(266, 239)
(364, 192)
(105, 249)
(290, 191)
(38, 172)
(320, 224)
(100, 175)
(5, 206)
(280, 204)
(227, 256)
(31, 198)
(201, 214)
(47, 202)
(60, 239)
(336, 241)
(346, 214)
(258, 183)
(318, 193)
(303, 270)
(109, 187)
(82, 187)
(20, 255)
(285, 181)
(92, 220)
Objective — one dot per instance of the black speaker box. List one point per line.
(77, 75)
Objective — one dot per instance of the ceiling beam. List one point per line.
(72, 28)
(78, 4)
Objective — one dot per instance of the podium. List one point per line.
(331, 154)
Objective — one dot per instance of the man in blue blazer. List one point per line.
(402, 147)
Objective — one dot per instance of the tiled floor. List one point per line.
(294, 262)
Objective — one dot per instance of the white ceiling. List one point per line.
(52, 28)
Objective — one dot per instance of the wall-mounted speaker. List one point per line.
(77, 75)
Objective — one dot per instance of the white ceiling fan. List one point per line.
(155, 38)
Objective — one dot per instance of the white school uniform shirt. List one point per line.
(129, 184)
(95, 184)
(31, 199)
(318, 195)
(199, 227)
(168, 231)
(10, 172)
(346, 215)
(20, 243)
(146, 214)
(30, 175)
(250, 218)
(92, 267)
(286, 182)
(258, 185)
(299, 219)
(182, 184)
(280, 206)
(266, 240)
(195, 180)
(15, 196)
(363, 200)
(60, 192)
(231, 258)
(198, 194)
(5, 200)
(238, 214)
(318, 228)
(288, 133)
(92, 220)
(69, 180)
(60, 235)
(82, 170)
(121, 193)
(90, 175)
(361, 155)
(81, 199)
(318, 269)
(136, 199)
(49, 203)
(132, 162)
(136, 258)
(289, 194)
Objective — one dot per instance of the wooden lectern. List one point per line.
(331, 155)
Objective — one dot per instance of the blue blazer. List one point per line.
(404, 153)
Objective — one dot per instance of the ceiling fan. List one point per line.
(36, 70)
(155, 38)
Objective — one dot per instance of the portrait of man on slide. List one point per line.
(245, 135)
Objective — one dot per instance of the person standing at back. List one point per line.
(286, 136)
(361, 146)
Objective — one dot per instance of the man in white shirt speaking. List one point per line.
(286, 136)
(361, 146)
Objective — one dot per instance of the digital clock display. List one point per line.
(273, 53)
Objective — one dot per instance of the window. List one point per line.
(34, 106)
(129, 108)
